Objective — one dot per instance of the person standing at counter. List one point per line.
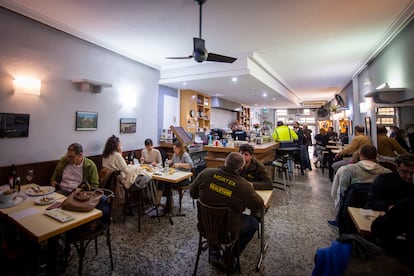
(149, 155)
(285, 135)
(253, 170)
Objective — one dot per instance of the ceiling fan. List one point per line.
(200, 53)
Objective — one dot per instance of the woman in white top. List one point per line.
(149, 155)
(112, 157)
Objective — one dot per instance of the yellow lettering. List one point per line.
(224, 179)
(220, 190)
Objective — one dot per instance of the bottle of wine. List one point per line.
(12, 177)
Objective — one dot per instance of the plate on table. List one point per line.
(45, 200)
(60, 215)
(13, 202)
(40, 191)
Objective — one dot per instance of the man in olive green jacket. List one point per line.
(74, 169)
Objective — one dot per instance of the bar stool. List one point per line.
(281, 166)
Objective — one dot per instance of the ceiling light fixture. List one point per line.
(234, 79)
(382, 86)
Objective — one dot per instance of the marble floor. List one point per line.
(293, 232)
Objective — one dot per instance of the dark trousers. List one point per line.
(250, 226)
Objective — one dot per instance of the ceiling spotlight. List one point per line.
(184, 83)
(274, 99)
(264, 94)
(234, 79)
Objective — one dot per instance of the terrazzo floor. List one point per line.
(293, 232)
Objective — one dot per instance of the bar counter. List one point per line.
(217, 155)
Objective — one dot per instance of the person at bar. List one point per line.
(224, 187)
(285, 135)
(74, 169)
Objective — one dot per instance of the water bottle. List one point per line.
(166, 165)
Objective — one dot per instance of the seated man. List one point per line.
(388, 146)
(363, 171)
(74, 169)
(357, 142)
(224, 187)
(254, 171)
(388, 189)
(390, 225)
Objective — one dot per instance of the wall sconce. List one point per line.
(23, 85)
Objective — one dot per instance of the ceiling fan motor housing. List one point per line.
(200, 56)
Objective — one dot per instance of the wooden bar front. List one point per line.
(217, 155)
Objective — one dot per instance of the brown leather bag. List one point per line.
(82, 201)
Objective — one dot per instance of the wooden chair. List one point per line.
(81, 237)
(214, 227)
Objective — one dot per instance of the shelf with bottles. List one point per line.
(195, 110)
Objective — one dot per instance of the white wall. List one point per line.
(221, 118)
(34, 50)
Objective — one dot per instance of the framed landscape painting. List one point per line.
(86, 120)
(128, 125)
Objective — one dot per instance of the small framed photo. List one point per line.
(128, 125)
(86, 120)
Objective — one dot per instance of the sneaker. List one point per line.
(333, 223)
(233, 268)
(215, 257)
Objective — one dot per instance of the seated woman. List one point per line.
(112, 158)
(181, 160)
(149, 155)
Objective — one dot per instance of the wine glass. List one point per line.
(29, 176)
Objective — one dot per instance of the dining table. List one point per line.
(266, 195)
(30, 218)
(363, 219)
(176, 176)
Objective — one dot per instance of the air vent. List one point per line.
(313, 104)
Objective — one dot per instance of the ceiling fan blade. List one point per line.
(179, 57)
(220, 58)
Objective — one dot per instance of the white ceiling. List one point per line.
(293, 50)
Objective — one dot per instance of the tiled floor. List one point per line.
(293, 232)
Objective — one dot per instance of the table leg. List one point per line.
(263, 244)
(52, 248)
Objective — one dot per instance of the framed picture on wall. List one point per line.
(86, 120)
(368, 126)
(128, 125)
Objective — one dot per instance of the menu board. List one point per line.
(182, 135)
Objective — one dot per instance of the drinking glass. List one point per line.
(29, 176)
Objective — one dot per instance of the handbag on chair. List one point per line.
(82, 201)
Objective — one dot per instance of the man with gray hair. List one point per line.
(74, 169)
(224, 187)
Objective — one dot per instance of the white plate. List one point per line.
(60, 215)
(17, 200)
(41, 201)
(44, 190)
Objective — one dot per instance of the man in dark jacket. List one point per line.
(388, 189)
(224, 187)
(390, 225)
(254, 171)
